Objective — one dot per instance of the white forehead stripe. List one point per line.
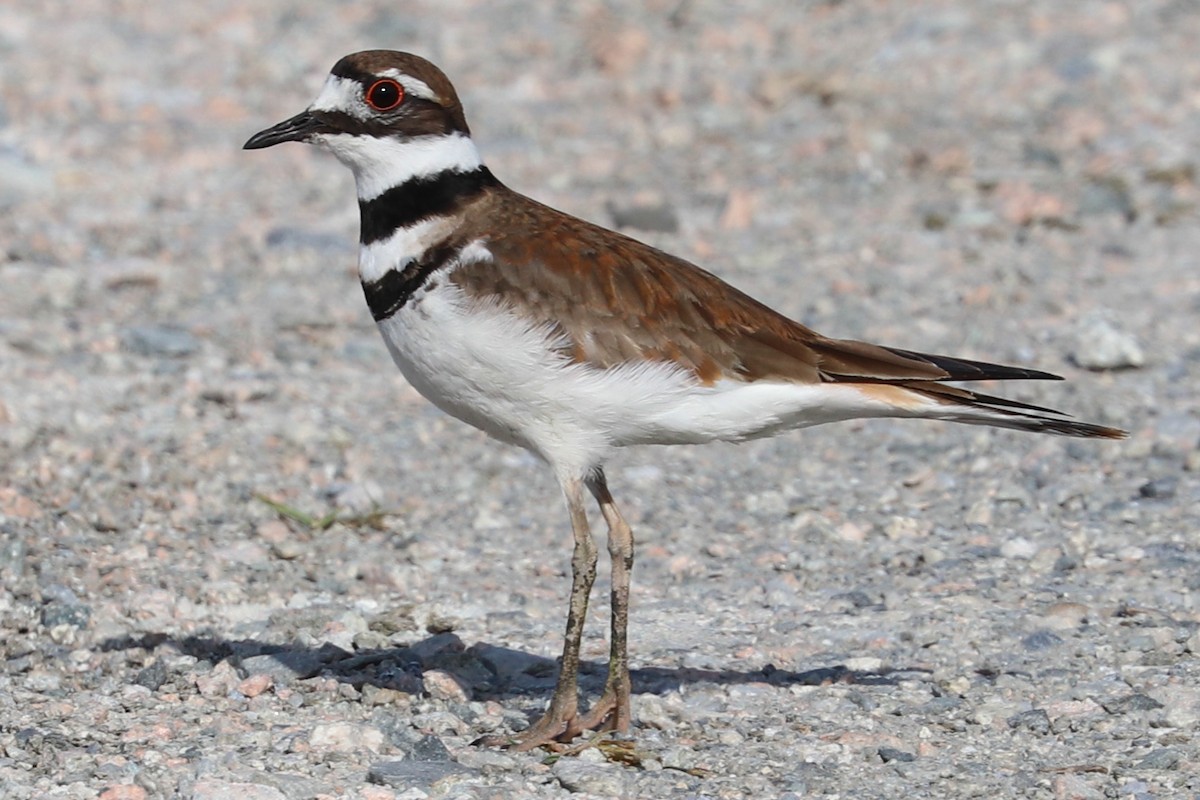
(340, 94)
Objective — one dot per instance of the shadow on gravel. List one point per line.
(483, 671)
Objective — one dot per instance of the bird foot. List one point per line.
(605, 715)
(555, 729)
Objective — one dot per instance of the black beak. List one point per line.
(297, 129)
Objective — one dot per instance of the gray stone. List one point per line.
(292, 786)
(487, 760)
(940, 705)
(1159, 488)
(603, 780)
(1162, 758)
(1132, 703)
(73, 614)
(414, 774)
(678, 757)
(889, 754)
(153, 676)
(159, 341)
(397, 619)
(212, 789)
(1035, 720)
(427, 748)
(285, 666)
(1041, 640)
(42, 680)
(13, 549)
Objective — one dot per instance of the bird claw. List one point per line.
(554, 731)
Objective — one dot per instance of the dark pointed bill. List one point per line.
(296, 129)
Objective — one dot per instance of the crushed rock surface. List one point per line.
(871, 610)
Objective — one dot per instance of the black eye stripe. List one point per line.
(415, 116)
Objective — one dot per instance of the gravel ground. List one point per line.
(871, 610)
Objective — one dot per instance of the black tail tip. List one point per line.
(1084, 430)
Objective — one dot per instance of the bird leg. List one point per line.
(612, 710)
(560, 722)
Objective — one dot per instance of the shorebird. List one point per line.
(570, 340)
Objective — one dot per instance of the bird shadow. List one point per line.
(483, 671)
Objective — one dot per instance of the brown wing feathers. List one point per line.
(619, 300)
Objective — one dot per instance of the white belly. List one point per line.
(491, 369)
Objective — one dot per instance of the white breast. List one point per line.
(492, 369)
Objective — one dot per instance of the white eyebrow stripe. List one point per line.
(413, 86)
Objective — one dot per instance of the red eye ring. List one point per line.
(384, 94)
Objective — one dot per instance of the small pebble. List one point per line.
(256, 685)
(1101, 345)
(284, 667)
(124, 792)
(1019, 548)
(1132, 703)
(1162, 758)
(346, 737)
(1035, 720)
(889, 754)
(414, 774)
(1159, 489)
(213, 789)
(75, 615)
(42, 680)
(159, 341)
(602, 780)
(427, 748)
(1041, 640)
(441, 685)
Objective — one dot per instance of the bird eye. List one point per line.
(385, 94)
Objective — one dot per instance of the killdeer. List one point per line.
(570, 340)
